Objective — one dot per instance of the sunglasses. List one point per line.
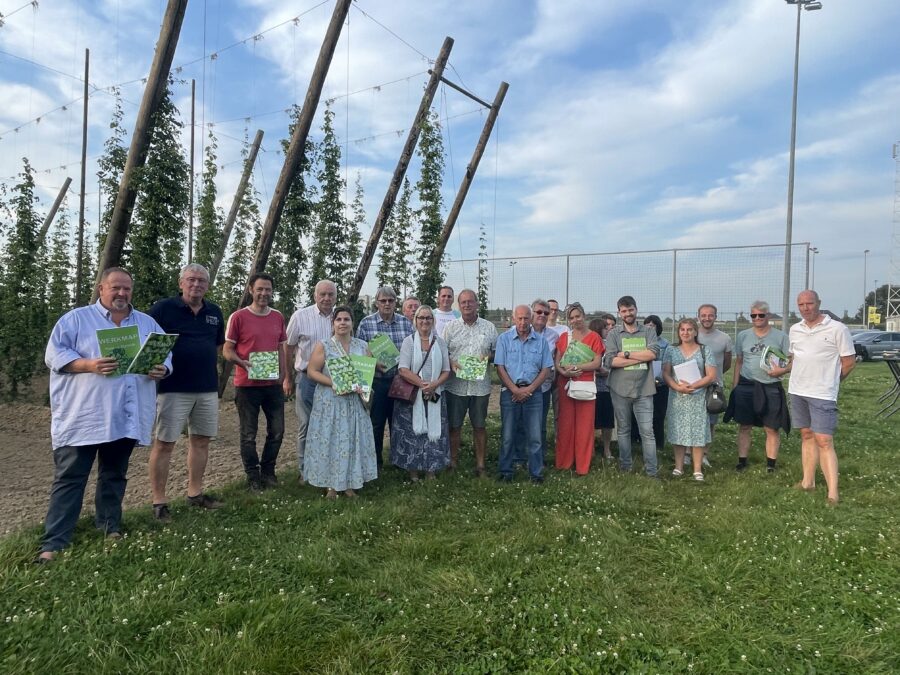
(387, 300)
(425, 318)
(758, 316)
(542, 312)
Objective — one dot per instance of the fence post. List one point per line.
(674, 287)
(567, 281)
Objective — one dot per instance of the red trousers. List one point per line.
(574, 433)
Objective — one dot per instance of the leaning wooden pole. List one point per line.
(54, 209)
(471, 168)
(235, 207)
(79, 246)
(157, 81)
(400, 171)
(190, 250)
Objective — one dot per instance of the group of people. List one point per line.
(595, 376)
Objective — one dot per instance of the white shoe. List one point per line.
(706, 462)
(698, 477)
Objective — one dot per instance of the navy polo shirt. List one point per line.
(194, 357)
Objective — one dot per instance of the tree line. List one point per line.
(319, 235)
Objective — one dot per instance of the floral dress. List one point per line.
(688, 421)
(340, 445)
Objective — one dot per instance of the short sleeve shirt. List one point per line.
(307, 327)
(195, 354)
(254, 333)
(749, 346)
(477, 339)
(720, 343)
(816, 370)
(523, 360)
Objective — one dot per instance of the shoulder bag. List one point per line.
(406, 391)
(715, 393)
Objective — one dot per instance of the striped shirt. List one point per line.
(307, 327)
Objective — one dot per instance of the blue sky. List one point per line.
(627, 126)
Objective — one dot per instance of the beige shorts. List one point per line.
(199, 411)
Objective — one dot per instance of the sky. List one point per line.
(628, 126)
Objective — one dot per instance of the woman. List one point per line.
(604, 417)
(575, 423)
(688, 419)
(419, 435)
(340, 445)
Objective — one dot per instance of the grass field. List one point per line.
(605, 573)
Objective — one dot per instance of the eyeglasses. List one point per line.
(758, 316)
(387, 300)
(425, 318)
(542, 312)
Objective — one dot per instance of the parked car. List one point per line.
(873, 344)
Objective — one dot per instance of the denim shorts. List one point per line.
(458, 406)
(816, 414)
(200, 411)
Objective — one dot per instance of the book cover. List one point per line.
(635, 344)
(365, 368)
(770, 357)
(344, 374)
(385, 351)
(577, 352)
(121, 344)
(473, 368)
(263, 366)
(153, 352)
(687, 372)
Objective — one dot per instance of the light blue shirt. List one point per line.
(86, 408)
(523, 360)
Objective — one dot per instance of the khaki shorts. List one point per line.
(200, 411)
(458, 406)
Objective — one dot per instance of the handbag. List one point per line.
(715, 392)
(582, 390)
(406, 391)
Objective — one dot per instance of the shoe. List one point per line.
(504, 479)
(770, 469)
(269, 480)
(677, 473)
(161, 512)
(537, 480)
(254, 485)
(706, 462)
(687, 457)
(331, 494)
(301, 481)
(204, 501)
(740, 468)
(45, 558)
(349, 493)
(698, 476)
(113, 536)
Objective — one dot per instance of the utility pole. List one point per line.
(190, 251)
(54, 209)
(471, 168)
(79, 261)
(412, 138)
(235, 206)
(157, 81)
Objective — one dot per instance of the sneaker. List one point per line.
(114, 536)
(770, 469)
(204, 501)
(740, 468)
(698, 476)
(269, 480)
(161, 513)
(537, 480)
(254, 484)
(706, 462)
(504, 479)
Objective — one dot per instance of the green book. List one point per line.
(385, 351)
(153, 352)
(263, 366)
(577, 352)
(365, 368)
(122, 344)
(344, 374)
(472, 368)
(770, 357)
(635, 344)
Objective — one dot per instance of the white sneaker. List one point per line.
(706, 462)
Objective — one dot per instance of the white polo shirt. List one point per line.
(817, 351)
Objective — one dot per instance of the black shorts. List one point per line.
(772, 413)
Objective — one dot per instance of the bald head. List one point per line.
(808, 304)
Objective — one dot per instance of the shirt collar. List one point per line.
(107, 314)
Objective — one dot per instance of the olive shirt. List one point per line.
(631, 383)
(749, 346)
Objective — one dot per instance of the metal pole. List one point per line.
(790, 199)
(190, 251)
(674, 286)
(567, 281)
(865, 309)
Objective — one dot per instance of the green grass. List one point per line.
(606, 573)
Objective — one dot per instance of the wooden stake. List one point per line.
(140, 140)
(190, 251)
(79, 247)
(54, 209)
(400, 171)
(472, 167)
(235, 207)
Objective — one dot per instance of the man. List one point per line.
(444, 313)
(823, 356)
(95, 413)
(757, 398)
(630, 350)
(540, 314)
(307, 327)
(554, 317)
(523, 363)
(470, 335)
(258, 329)
(397, 327)
(720, 344)
(190, 396)
(559, 329)
(410, 305)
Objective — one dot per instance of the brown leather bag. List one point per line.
(403, 390)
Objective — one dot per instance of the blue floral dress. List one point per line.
(340, 445)
(687, 419)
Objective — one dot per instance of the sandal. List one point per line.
(698, 476)
(677, 473)
(331, 494)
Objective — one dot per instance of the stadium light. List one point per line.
(808, 5)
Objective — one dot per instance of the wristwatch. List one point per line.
(627, 355)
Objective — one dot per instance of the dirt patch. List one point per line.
(27, 458)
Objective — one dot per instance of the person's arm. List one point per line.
(726, 361)
(229, 351)
(848, 363)
(315, 365)
(283, 366)
(290, 353)
(738, 363)
(670, 380)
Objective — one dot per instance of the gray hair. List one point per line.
(541, 303)
(760, 304)
(385, 292)
(193, 267)
(518, 307)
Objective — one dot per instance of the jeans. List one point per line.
(382, 412)
(642, 408)
(248, 401)
(73, 467)
(527, 417)
(521, 455)
(302, 406)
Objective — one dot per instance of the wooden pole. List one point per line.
(157, 81)
(294, 155)
(235, 207)
(79, 247)
(190, 251)
(54, 209)
(400, 171)
(471, 168)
